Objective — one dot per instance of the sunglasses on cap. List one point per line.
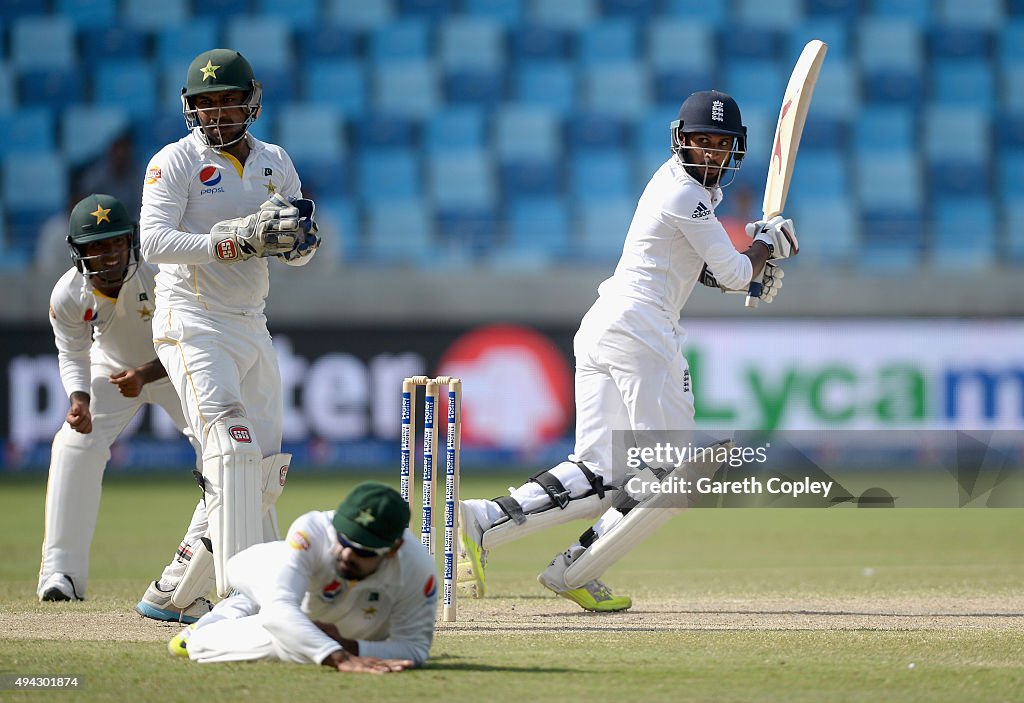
(360, 550)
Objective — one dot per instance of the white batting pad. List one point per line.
(639, 523)
(578, 508)
(234, 492)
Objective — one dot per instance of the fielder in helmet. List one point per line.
(101, 312)
(217, 206)
(633, 384)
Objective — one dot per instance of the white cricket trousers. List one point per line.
(77, 462)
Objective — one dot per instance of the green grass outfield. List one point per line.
(729, 605)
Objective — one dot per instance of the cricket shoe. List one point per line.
(472, 555)
(178, 645)
(58, 587)
(594, 595)
(156, 605)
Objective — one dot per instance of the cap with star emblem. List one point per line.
(216, 70)
(98, 217)
(373, 515)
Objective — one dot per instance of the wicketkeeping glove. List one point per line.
(778, 233)
(271, 230)
(308, 241)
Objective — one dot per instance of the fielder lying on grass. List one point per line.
(349, 588)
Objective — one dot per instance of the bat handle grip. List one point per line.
(754, 291)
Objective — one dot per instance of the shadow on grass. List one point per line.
(450, 662)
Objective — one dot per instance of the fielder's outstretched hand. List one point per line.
(351, 663)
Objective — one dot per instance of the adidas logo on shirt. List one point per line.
(701, 212)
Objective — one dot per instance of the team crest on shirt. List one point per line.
(145, 313)
(299, 540)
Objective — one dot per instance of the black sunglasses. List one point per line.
(360, 550)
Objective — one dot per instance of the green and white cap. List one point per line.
(372, 515)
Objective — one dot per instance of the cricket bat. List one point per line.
(792, 116)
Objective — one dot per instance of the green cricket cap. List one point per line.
(97, 217)
(373, 514)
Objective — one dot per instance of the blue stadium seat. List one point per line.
(297, 14)
(968, 82)
(640, 10)
(651, 132)
(126, 84)
(966, 127)
(601, 175)
(608, 41)
(823, 132)
(221, 9)
(407, 39)
(388, 174)
(778, 14)
(885, 86)
(917, 11)
(480, 87)
(508, 13)
(113, 43)
(550, 84)
(87, 130)
(152, 16)
(757, 84)
(468, 233)
(338, 83)
(338, 216)
(1013, 87)
(88, 13)
(847, 10)
(525, 132)
(714, 13)
(964, 234)
(537, 43)
(679, 44)
(178, 44)
(1013, 215)
(53, 88)
(595, 131)
(28, 130)
(647, 162)
(326, 42)
(671, 86)
(400, 232)
(13, 9)
(1011, 131)
(1010, 176)
(985, 14)
(958, 43)
(323, 177)
(34, 182)
(565, 14)
(889, 45)
(407, 89)
(885, 128)
(957, 177)
(837, 93)
(1011, 42)
(833, 32)
(540, 226)
(820, 174)
(834, 223)
(279, 84)
(748, 43)
(42, 43)
(378, 130)
(471, 43)
(620, 89)
(455, 129)
(309, 131)
(359, 16)
(894, 241)
(602, 227)
(154, 132)
(265, 42)
(8, 91)
(890, 183)
(463, 180)
(433, 10)
(525, 177)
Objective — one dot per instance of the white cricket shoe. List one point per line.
(58, 587)
(156, 605)
(472, 559)
(594, 595)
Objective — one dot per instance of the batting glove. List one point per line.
(271, 230)
(778, 233)
(772, 282)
